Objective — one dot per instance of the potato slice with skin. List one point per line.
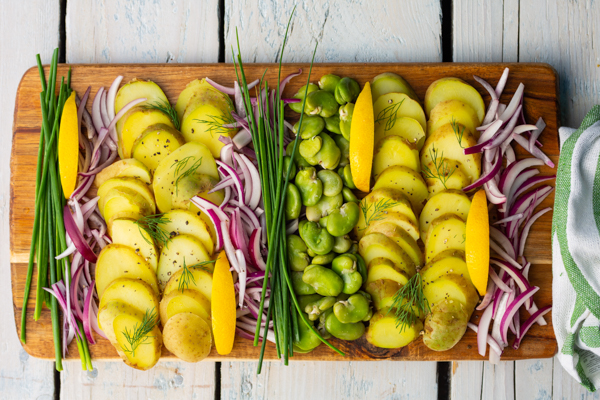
(179, 250)
(380, 203)
(186, 94)
(187, 300)
(407, 243)
(447, 202)
(394, 150)
(186, 222)
(121, 199)
(389, 82)
(391, 223)
(456, 178)
(382, 268)
(117, 261)
(155, 143)
(129, 167)
(188, 337)
(190, 155)
(451, 287)
(449, 111)
(445, 233)
(387, 105)
(138, 88)
(407, 181)
(136, 122)
(454, 89)
(444, 144)
(144, 353)
(447, 262)
(202, 282)
(130, 183)
(134, 292)
(382, 331)
(406, 127)
(127, 233)
(382, 292)
(445, 325)
(377, 245)
(134, 216)
(108, 313)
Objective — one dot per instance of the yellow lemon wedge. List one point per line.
(477, 246)
(362, 136)
(223, 306)
(68, 146)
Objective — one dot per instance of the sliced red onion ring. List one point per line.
(508, 219)
(124, 111)
(96, 116)
(217, 223)
(287, 79)
(502, 82)
(500, 311)
(489, 133)
(256, 191)
(518, 182)
(486, 177)
(76, 236)
(513, 171)
(527, 227)
(206, 205)
(229, 249)
(526, 203)
(242, 275)
(529, 323)
(504, 134)
(103, 111)
(499, 283)
(254, 247)
(227, 197)
(237, 180)
(540, 125)
(493, 193)
(536, 152)
(530, 182)
(110, 98)
(514, 273)
(514, 103)
(226, 154)
(513, 308)
(489, 294)
(482, 331)
(87, 314)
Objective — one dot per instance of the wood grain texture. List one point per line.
(33, 26)
(357, 31)
(330, 380)
(498, 382)
(142, 31)
(533, 379)
(540, 100)
(564, 387)
(466, 379)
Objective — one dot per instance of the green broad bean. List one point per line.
(329, 154)
(344, 147)
(316, 308)
(323, 280)
(316, 238)
(342, 244)
(321, 102)
(301, 288)
(369, 315)
(323, 259)
(309, 148)
(346, 91)
(321, 325)
(346, 175)
(361, 266)
(341, 221)
(345, 266)
(312, 125)
(343, 331)
(293, 202)
(332, 124)
(300, 162)
(346, 112)
(310, 186)
(342, 297)
(355, 309)
(324, 207)
(353, 250)
(329, 82)
(349, 196)
(303, 301)
(308, 339)
(297, 253)
(287, 160)
(300, 95)
(310, 252)
(332, 182)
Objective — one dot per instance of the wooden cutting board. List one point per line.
(540, 101)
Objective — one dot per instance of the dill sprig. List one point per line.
(442, 170)
(378, 210)
(389, 115)
(182, 164)
(409, 303)
(139, 334)
(152, 225)
(216, 122)
(458, 132)
(168, 109)
(187, 276)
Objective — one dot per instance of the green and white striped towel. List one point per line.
(576, 251)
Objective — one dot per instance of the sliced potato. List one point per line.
(136, 121)
(445, 325)
(389, 82)
(130, 183)
(122, 199)
(382, 331)
(143, 353)
(200, 280)
(406, 127)
(445, 233)
(388, 106)
(127, 233)
(447, 262)
(377, 245)
(134, 292)
(447, 202)
(380, 203)
(172, 174)
(138, 88)
(394, 150)
(108, 313)
(129, 167)
(205, 93)
(179, 250)
(443, 143)
(382, 268)
(409, 182)
(408, 244)
(449, 111)
(155, 143)
(134, 216)
(392, 222)
(451, 287)
(451, 171)
(188, 337)
(186, 94)
(382, 292)
(118, 261)
(454, 89)
(186, 300)
(186, 222)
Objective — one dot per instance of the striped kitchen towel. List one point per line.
(576, 251)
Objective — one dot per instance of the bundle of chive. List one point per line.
(48, 237)
(268, 130)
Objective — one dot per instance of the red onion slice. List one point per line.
(229, 249)
(247, 179)
(96, 116)
(529, 323)
(508, 219)
(237, 180)
(482, 331)
(513, 308)
(287, 79)
(256, 189)
(527, 227)
(522, 178)
(489, 133)
(502, 82)
(499, 283)
(491, 113)
(504, 134)
(241, 274)
(87, 314)
(513, 171)
(487, 87)
(486, 177)
(514, 273)
(536, 152)
(103, 111)
(540, 125)
(76, 236)
(254, 247)
(124, 111)
(514, 103)
(217, 223)
(112, 94)
(500, 311)
(489, 294)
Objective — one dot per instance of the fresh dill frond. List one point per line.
(389, 115)
(182, 164)
(168, 109)
(377, 210)
(187, 276)
(152, 225)
(458, 132)
(139, 334)
(215, 123)
(442, 171)
(409, 303)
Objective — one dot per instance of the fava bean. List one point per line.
(341, 221)
(343, 331)
(323, 280)
(345, 266)
(293, 202)
(309, 185)
(355, 309)
(332, 183)
(342, 244)
(309, 148)
(308, 339)
(349, 196)
(287, 160)
(344, 147)
(301, 288)
(346, 174)
(332, 124)
(329, 82)
(300, 162)
(312, 125)
(297, 253)
(346, 91)
(346, 112)
(316, 308)
(321, 102)
(316, 238)
(300, 95)
(324, 207)
(323, 259)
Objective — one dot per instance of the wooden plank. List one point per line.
(565, 34)
(565, 387)
(27, 28)
(122, 31)
(114, 380)
(329, 380)
(539, 100)
(396, 31)
(498, 381)
(466, 379)
(533, 379)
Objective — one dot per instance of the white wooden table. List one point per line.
(563, 33)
